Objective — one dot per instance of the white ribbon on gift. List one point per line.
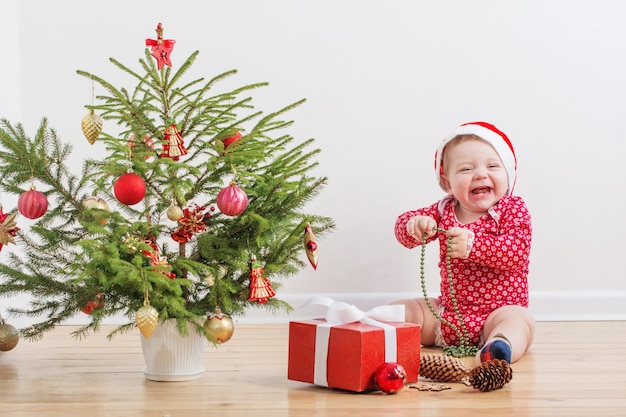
(338, 313)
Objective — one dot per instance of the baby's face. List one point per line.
(474, 175)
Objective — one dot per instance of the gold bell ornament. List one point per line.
(219, 326)
(9, 336)
(147, 318)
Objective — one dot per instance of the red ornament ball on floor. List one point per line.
(390, 377)
(129, 189)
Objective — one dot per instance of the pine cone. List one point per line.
(443, 368)
(491, 375)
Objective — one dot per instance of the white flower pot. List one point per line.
(171, 356)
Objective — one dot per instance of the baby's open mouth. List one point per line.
(481, 190)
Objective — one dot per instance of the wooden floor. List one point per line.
(573, 369)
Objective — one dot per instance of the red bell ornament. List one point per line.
(173, 146)
(232, 200)
(129, 188)
(32, 203)
(260, 286)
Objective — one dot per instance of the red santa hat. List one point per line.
(494, 137)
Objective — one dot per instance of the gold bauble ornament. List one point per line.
(93, 202)
(219, 326)
(210, 277)
(92, 126)
(174, 213)
(9, 336)
(147, 318)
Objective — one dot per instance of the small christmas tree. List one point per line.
(198, 193)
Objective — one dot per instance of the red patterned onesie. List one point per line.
(495, 273)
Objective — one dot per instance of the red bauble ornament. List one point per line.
(390, 377)
(129, 189)
(32, 204)
(232, 200)
(227, 141)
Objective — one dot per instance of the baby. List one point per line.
(490, 231)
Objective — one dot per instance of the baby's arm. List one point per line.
(418, 225)
(410, 226)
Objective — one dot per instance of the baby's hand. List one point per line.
(460, 245)
(418, 225)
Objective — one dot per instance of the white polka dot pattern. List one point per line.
(496, 272)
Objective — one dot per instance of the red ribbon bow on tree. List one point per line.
(194, 220)
(155, 259)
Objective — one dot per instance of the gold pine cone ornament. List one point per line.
(147, 318)
(92, 126)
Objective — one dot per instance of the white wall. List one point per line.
(385, 81)
(10, 70)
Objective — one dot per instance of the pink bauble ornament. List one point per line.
(147, 141)
(232, 200)
(390, 377)
(129, 189)
(32, 204)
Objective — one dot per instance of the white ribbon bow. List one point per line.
(338, 313)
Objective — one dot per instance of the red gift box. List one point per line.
(354, 352)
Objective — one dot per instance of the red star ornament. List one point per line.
(161, 48)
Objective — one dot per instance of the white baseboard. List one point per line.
(545, 305)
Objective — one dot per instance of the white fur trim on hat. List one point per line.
(494, 137)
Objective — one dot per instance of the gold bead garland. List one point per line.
(464, 348)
